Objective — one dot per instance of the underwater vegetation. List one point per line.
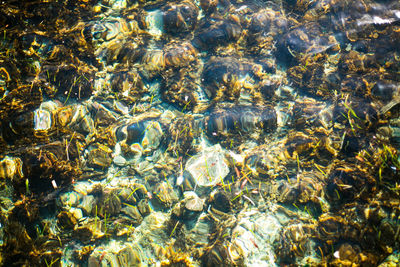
(199, 133)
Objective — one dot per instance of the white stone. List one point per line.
(119, 161)
(336, 254)
(77, 213)
(209, 167)
(87, 203)
(42, 120)
(254, 237)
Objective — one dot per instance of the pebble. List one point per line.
(119, 161)
(78, 214)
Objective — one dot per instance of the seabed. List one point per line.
(200, 133)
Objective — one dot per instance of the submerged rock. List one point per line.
(294, 103)
(253, 239)
(66, 220)
(129, 256)
(133, 213)
(165, 196)
(100, 257)
(208, 167)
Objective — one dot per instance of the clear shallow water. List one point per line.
(199, 133)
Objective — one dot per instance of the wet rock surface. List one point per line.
(199, 133)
